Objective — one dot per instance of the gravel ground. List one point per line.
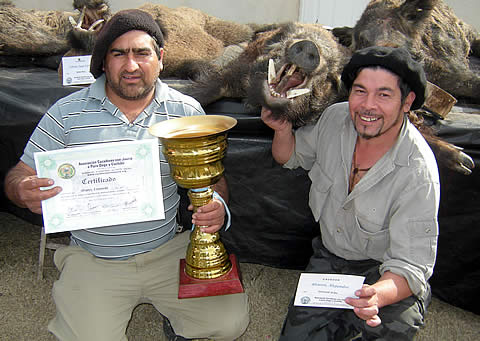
(26, 305)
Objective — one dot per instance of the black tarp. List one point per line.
(271, 221)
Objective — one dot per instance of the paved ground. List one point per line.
(26, 305)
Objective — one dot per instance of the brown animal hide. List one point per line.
(194, 36)
(432, 33)
(32, 33)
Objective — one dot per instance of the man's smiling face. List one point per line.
(375, 103)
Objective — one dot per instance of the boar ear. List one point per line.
(344, 35)
(417, 10)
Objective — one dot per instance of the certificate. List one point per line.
(76, 70)
(103, 184)
(326, 290)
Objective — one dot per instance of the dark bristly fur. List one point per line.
(432, 33)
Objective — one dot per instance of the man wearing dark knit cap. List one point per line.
(107, 271)
(375, 193)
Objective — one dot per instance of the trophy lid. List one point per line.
(192, 126)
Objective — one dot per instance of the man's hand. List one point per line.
(22, 187)
(211, 215)
(276, 124)
(389, 289)
(366, 305)
(30, 194)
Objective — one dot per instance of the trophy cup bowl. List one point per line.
(194, 147)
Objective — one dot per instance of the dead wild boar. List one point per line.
(294, 70)
(432, 33)
(302, 63)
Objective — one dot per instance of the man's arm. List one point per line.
(283, 140)
(22, 187)
(390, 288)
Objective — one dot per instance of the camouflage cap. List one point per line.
(396, 60)
(120, 23)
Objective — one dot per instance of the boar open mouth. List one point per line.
(289, 82)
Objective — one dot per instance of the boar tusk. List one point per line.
(271, 71)
(95, 24)
(297, 92)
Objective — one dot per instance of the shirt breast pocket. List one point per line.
(374, 239)
(319, 191)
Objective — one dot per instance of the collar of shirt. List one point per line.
(97, 92)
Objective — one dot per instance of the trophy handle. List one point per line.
(206, 255)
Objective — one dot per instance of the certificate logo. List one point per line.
(305, 300)
(66, 171)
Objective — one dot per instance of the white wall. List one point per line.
(467, 10)
(333, 13)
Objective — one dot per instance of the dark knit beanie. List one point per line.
(120, 23)
(396, 60)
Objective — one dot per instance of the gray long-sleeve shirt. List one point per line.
(391, 214)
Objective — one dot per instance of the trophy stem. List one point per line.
(206, 255)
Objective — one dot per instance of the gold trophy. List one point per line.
(194, 147)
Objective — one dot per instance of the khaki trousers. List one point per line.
(95, 297)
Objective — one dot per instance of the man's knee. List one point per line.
(231, 329)
(217, 317)
(232, 322)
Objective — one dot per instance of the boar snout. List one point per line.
(304, 54)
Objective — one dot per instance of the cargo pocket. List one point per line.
(319, 191)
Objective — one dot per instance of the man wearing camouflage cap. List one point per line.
(107, 271)
(375, 193)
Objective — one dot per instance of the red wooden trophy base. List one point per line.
(230, 283)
